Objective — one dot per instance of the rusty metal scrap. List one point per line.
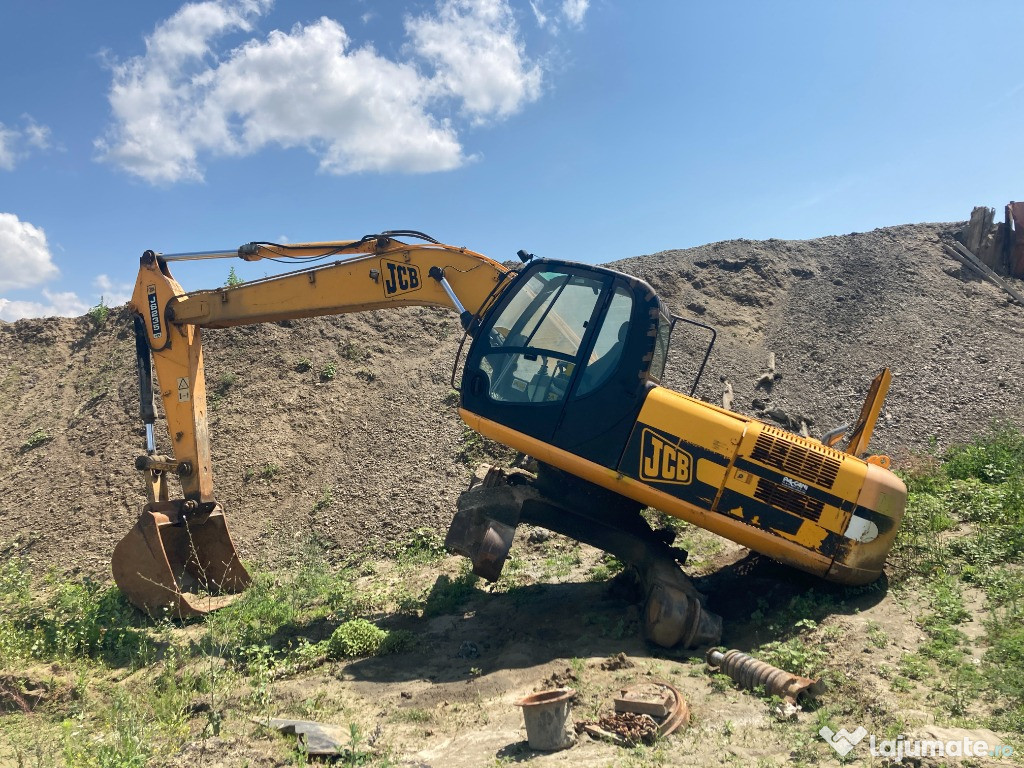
(751, 673)
(645, 699)
(1015, 225)
(623, 728)
(633, 727)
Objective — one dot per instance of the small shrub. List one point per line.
(233, 279)
(328, 372)
(226, 382)
(794, 655)
(99, 314)
(350, 351)
(914, 666)
(359, 638)
(325, 500)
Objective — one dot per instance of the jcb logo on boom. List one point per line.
(399, 277)
(662, 461)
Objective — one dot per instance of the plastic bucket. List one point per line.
(548, 722)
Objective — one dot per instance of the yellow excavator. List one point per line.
(563, 363)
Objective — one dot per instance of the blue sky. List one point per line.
(581, 129)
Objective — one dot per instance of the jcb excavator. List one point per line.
(564, 364)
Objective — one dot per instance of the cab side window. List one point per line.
(611, 339)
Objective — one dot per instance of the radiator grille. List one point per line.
(780, 497)
(796, 460)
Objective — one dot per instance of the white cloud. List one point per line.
(25, 261)
(25, 258)
(17, 143)
(36, 135)
(357, 111)
(155, 97)
(575, 10)
(474, 48)
(539, 15)
(113, 294)
(64, 304)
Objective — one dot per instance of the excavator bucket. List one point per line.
(183, 564)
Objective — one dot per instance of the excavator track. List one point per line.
(490, 510)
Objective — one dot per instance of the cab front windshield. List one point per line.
(535, 341)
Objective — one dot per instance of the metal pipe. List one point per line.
(465, 316)
(144, 366)
(833, 436)
(197, 255)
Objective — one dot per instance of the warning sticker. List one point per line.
(184, 395)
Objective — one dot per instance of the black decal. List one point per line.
(400, 277)
(391, 284)
(154, 312)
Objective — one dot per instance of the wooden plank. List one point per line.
(992, 276)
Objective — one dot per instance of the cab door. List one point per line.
(602, 408)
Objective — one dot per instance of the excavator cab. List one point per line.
(567, 356)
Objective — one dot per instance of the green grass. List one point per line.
(37, 438)
(69, 621)
(227, 665)
(140, 687)
(964, 528)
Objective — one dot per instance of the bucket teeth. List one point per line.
(186, 566)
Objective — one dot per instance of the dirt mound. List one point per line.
(345, 428)
(834, 311)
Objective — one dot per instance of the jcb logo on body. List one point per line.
(662, 461)
(399, 277)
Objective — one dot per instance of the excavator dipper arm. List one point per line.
(182, 545)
